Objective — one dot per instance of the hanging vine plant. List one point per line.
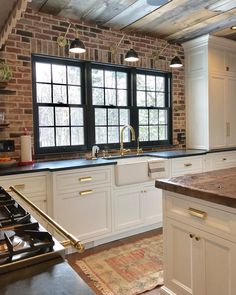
(5, 74)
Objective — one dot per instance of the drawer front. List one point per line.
(223, 160)
(204, 217)
(30, 185)
(82, 179)
(181, 166)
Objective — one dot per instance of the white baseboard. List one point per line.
(166, 291)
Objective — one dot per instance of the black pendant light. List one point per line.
(77, 46)
(176, 62)
(131, 55)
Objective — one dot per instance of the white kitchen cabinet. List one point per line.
(33, 185)
(136, 206)
(199, 254)
(210, 92)
(82, 201)
(186, 165)
(220, 160)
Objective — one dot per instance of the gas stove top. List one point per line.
(23, 241)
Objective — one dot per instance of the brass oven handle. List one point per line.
(188, 164)
(19, 186)
(197, 213)
(87, 192)
(84, 179)
(71, 240)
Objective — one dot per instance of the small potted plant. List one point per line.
(5, 74)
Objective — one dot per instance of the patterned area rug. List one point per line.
(126, 270)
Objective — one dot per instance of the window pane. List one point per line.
(141, 101)
(151, 99)
(77, 117)
(46, 116)
(74, 94)
(122, 97)
(97, 78)
(100, 117)
(62, 136)
(143, 117)
(110, 96)
(140, 82)
(110, 79)
(101, 135)
(113, 134)
(73, 75)
(98, 96)
(143, 133)
(62, 116)
(160, 99)
(124, 117)
(121, 80)
(150, 83)
(59, 94)
(153, 117)
(160, 84)
(43, 72)
(59, 74)
(46, 137)
(77, 135)
(163, 132)
(112, 117)
(44, 93)
(153, 133)
(162, 117)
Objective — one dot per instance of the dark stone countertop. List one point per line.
(217, 186)
(178, 153)
(54, 277)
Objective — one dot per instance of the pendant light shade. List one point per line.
(77, 46)
(131, 55)
(176, 62)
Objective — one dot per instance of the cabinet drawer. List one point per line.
(181, 166)
(30, 185)
(83, 178)
(216, 221)
(223, 160)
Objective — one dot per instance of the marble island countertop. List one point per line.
(215, 186)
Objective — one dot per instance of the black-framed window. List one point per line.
(79, 103)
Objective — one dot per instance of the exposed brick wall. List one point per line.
(37, 33)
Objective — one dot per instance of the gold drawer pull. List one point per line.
(86, 178)
(197, 213)
(188, 164)
(87, 192)
(224, 159)
(19, 186)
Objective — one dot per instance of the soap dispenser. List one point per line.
(95, 150)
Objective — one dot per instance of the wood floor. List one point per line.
(75, 256)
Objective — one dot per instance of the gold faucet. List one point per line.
(122, 150)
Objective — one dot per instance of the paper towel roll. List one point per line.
(26, 150)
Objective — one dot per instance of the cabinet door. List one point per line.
(85, 215)
(152, 204)
(178, 267)
(230, 111)
(128, 208)
(217, 118)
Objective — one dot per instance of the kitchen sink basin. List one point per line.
(133, 170)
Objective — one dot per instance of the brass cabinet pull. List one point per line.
(86, 178)
(197, 213)
(197, 239)
(224, 159)
(191, 236)
(87, 192)
(188, 164)
(228, 129)
(19, 186)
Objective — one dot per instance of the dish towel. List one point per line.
(156, 169)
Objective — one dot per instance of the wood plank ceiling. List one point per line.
(178, 20)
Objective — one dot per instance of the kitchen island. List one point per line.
(200, 233)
